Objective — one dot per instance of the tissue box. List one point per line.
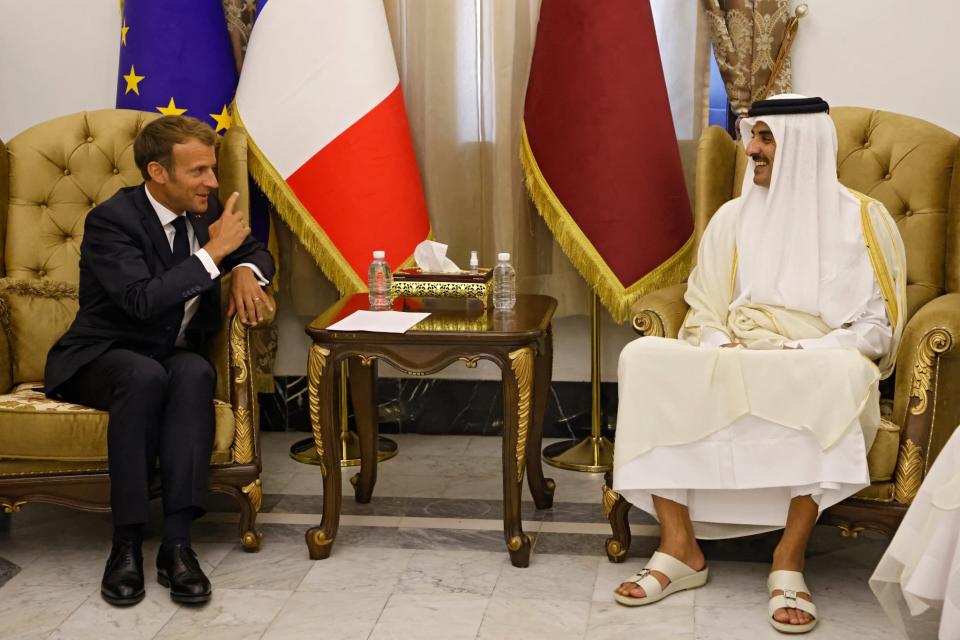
(415, 283)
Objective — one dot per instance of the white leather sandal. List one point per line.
(681, 577)
(791, 583)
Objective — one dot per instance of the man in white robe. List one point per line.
(760, 414)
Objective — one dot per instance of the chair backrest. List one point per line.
(51, 175)
(913, 168)
(58, 171)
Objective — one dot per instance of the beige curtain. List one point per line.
(746, 38)
(463, 67)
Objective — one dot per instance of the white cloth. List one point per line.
(702, 426)
(800, 241)
(167, 217)
(921, 567)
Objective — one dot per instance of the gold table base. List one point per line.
(593, 454)
(305, 450)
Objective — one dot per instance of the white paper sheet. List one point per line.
(379, 321)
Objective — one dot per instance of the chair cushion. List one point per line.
(34, 427)
(882, 457)
(34, 314)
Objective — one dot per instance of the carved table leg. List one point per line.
(363, 391)
(321, 378)
(517, 390)
(616, 508)
(540, 488)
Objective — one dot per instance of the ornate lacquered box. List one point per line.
(414, 283)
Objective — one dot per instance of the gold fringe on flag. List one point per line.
(307, 230)
(618, 299)
(303, 225)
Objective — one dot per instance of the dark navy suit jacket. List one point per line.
(131, 293)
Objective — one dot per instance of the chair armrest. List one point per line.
(6, 357)
(232, 168)
(231, 354)
(661, 312)
(930, 341)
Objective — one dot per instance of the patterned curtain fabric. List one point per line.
(746, 38)
(239, 15)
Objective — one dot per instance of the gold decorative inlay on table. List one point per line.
(521, 361)
(425, 289)
(315, 366)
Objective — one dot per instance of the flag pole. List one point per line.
(593, 454)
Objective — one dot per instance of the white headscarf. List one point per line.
(799, 242)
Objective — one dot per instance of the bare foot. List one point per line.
(790, 562)
(690, 556)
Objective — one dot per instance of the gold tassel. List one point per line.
(618, 299)
(307, 230)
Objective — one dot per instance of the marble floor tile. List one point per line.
(663, 621)
(734, 584)
(358, 570)
(417, 445)
(737, 623)
(484, 447)
(344, 615)
(391, 483)
(275, 481)
(550, 577)
(231, 614)
(590, 544)
(276, 567)
(33, 612)
(430, 617)
(64, 567)
(610, 575)
(452, 572)
(451, 539)
(530, 619)
(97, 620)
(311, 484)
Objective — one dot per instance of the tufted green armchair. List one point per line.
(50, 176)
(913, 167)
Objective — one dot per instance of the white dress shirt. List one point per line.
(167, 217)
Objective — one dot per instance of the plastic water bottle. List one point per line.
(474, 262)
(379, 278)
(504, 283)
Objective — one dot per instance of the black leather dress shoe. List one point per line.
(178, 569)
(122, 583)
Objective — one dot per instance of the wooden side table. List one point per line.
(520, 342)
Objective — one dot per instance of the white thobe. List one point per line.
(739, 479)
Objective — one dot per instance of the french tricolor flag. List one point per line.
(320, 98)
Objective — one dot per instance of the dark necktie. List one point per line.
(181, 244)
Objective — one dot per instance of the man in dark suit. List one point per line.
(150, 265)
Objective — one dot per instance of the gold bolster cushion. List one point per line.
(33, 427)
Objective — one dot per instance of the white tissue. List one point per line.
(432, 256)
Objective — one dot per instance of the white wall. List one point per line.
(894, 55)
(56, 57)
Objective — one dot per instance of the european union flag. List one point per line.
(176, 58)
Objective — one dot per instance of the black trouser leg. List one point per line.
(186, 434)
(132, 388)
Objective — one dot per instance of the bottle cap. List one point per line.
(379, 255)
(503, 256)
(473, 258)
